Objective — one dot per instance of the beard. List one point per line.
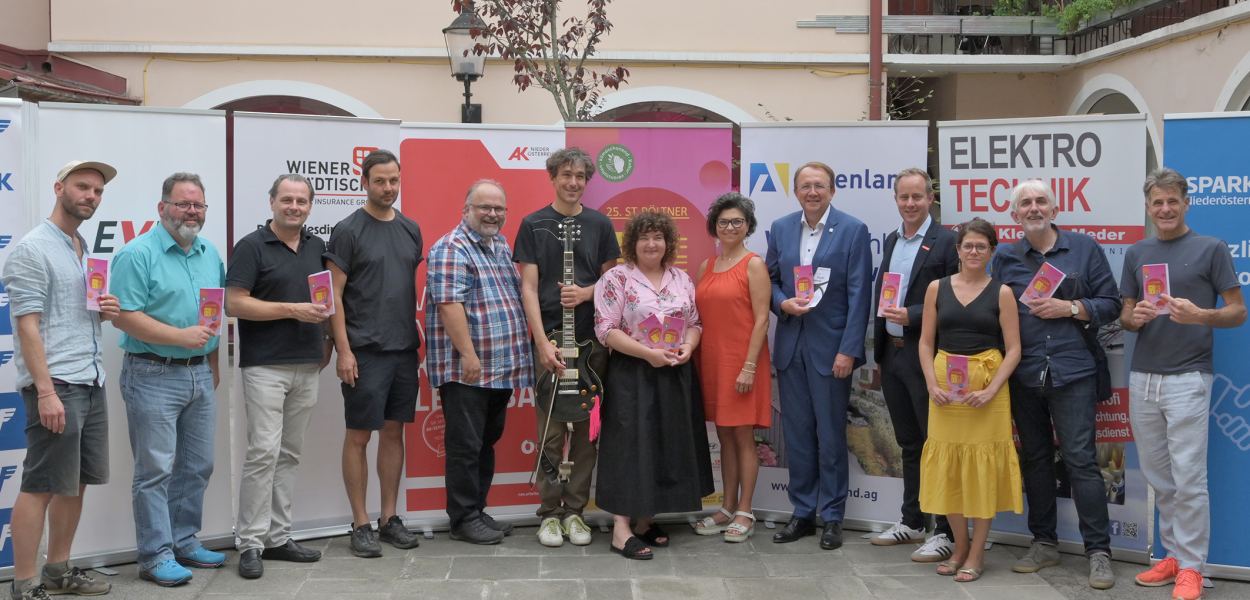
(182, 231)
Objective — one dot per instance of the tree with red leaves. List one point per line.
(547, 50)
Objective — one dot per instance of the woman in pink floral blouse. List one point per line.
(653, 453)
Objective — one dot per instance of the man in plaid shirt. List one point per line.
(478, 353)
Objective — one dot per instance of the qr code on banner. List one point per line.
(1124, 529)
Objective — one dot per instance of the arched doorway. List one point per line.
(663, 111)
(294, 105)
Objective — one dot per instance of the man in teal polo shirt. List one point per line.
(168, 378)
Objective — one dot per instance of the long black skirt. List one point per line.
(653, 452)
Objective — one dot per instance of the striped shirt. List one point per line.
(464, 268)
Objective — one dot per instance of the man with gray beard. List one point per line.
(168, 380)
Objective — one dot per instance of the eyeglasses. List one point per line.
(979, 248)
(486, 210)
(730, 223)
(200, 206)
(807, 187)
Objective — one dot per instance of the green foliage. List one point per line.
(1069, 13)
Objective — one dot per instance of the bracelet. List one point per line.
(52, 393)
(749, 372)
(748, 364)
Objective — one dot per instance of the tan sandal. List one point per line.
(708, 525)
(948, 568)
(969, 574)
(737, 532)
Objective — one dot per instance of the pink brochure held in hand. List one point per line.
(651, 331)
(321, 290)
(674, 332)
(804, 287)
(891, 283)
(1044, 283)
(97, 281)
(212, 307)
(1155, 283)
(957, 376)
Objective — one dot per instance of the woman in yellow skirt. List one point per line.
(969, 469)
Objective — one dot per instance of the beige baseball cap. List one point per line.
(74, 166)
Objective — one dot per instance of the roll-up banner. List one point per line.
(1095, 166)
(328, 151)
(865, 158)
(12, 409)
(146, 145)
(677, 169)
(1209, 150)
(440, 162)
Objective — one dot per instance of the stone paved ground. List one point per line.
(693, 568)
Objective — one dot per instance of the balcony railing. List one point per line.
(957, 27)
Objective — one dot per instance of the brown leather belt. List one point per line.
(156, 358)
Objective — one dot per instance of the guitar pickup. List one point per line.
(569, 374)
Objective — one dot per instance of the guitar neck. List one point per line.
(568, 338)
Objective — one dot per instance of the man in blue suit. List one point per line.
(818, 343)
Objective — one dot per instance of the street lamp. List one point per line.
(465, 65)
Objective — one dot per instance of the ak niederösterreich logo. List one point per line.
(616, 162)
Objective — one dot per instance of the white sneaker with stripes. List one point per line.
(936, 549)
(898, 533)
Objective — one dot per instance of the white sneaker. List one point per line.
(575, 527)
(898, 533)
(549, 533)
(936, 549)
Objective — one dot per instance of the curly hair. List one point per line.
(726, 202)
(647, 222)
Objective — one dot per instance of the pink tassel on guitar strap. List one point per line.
(594, 421)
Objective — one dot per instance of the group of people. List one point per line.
(611, 350)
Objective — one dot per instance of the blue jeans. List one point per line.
(171, 411)
(1071, 410)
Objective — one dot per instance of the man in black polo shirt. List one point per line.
(283, 348)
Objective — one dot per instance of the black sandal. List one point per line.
(652, 535)
(634, 549)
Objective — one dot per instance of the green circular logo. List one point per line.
(616, 162)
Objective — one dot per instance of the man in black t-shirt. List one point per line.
(539, 250)
(373, 256)
(283, 348)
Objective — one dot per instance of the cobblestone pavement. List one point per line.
(693, 568)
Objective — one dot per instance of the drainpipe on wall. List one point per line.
(876, 80)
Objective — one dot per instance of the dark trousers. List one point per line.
(474, 422)
(813, 421)
(907, 398)
(1067, 413)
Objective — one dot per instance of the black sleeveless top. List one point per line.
(968, 329)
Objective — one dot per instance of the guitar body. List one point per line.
(576, 389)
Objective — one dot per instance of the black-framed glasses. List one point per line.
(200, 206)
(981, 248)
(731, 223)
(486, 210)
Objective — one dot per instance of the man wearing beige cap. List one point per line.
(60, 371)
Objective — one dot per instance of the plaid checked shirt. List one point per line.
(463, 269)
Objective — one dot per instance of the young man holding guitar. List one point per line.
(562, 249)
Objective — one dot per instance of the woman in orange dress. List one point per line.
(734, 368)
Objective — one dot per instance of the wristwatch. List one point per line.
(1076, 309)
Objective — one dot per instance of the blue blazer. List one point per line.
(839, 323)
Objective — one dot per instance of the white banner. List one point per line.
(329, 152)
(1095, 166)
(12, 408)
(145, 145)
(865, 158)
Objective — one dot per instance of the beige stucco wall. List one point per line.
(652, 25)
(24, 24)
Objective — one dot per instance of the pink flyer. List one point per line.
(957, 375)
(651, 331)
(212, 308)
(321, 290)
(97, 281)
(1156, 283)
(891, 283)
(674, 332)
(803, 286)
(1044, 283)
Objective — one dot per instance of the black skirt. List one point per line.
(653, 451)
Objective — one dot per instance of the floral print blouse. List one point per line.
(624, 297)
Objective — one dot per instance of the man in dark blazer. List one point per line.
(921, 251)
(818, 343)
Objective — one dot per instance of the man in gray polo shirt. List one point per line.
(1170, 381)
(60, 372)
(282, 351)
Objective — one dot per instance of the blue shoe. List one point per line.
(167, 573)
(203, 558)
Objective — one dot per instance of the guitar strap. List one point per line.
(543, 463)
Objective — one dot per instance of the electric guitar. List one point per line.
(582, 359)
